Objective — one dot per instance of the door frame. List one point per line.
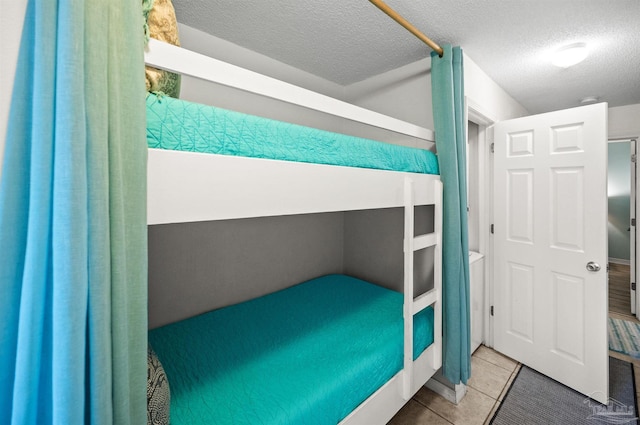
(476, 114)
(634, 205)
(633, 270)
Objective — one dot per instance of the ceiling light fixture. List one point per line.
(589, 99)
(569, 55)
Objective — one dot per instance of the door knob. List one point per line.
(593, 266)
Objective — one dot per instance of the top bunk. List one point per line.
(208, 163)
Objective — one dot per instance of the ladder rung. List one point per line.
(424, 241)
(425, 300)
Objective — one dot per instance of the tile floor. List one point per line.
(492, 374)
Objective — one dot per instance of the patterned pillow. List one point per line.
(158, 394)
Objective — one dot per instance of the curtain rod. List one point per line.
(413, 30)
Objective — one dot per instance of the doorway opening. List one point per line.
(621, 193)
(479, 133)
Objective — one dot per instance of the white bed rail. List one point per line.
(187, 187)
(182, 61)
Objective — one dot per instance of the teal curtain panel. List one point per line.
(448, 114)
(73, 269)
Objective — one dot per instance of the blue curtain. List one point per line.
(448, 114)
(73, 279)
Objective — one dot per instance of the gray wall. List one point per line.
(619, 192)
(373, 248)
(197, 267)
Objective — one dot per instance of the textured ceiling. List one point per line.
(349, 41)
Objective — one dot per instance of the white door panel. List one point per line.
(550, 221)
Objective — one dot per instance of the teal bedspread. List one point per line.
(185, 126)
(308, 354)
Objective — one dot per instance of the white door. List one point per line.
(550, 245)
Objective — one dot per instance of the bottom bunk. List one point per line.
(308, 354)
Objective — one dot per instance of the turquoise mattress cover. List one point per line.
(309, 354)
(176, 124)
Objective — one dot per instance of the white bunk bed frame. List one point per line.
(184, 187)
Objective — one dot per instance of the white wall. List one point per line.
(624, 121)
(11, 19)
(201, 42)
(405, 93)
(200, 91)
(397, 93)
(486, 96)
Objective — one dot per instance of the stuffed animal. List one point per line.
(162, 25)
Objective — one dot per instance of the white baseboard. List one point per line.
(454, 395)
(619, 261)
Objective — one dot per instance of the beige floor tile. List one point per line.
(496, 358)
(414, 413)
(473, 409)
(487, 377)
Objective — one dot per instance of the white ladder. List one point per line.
(433, 296)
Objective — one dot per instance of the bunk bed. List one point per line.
(333, 349)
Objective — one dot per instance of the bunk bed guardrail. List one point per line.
(182, 61)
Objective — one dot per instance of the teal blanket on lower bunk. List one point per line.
(185, 126)
(309, 354)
